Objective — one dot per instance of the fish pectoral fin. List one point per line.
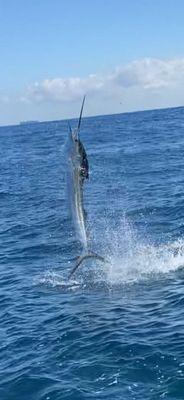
(83, 258)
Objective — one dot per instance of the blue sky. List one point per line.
(44, 44)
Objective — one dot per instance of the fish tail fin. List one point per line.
(84, 257)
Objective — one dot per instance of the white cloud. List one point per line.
(151, 73)
(147, 74)
(139, 85)
(59, 89)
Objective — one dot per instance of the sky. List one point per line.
(125, 55)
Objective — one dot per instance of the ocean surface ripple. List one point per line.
(116, 331)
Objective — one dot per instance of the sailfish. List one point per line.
(78, 172)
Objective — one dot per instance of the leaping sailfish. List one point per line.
(77, 174)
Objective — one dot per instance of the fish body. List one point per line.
(78, 172)
(76, 176)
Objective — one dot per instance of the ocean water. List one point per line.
(116, 330)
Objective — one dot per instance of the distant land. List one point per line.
(28, 122)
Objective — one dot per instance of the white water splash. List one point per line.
(133, 259)
(130, 259)
(53, 279)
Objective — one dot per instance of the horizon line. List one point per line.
(90, 116)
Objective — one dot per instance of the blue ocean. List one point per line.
(116, 331)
